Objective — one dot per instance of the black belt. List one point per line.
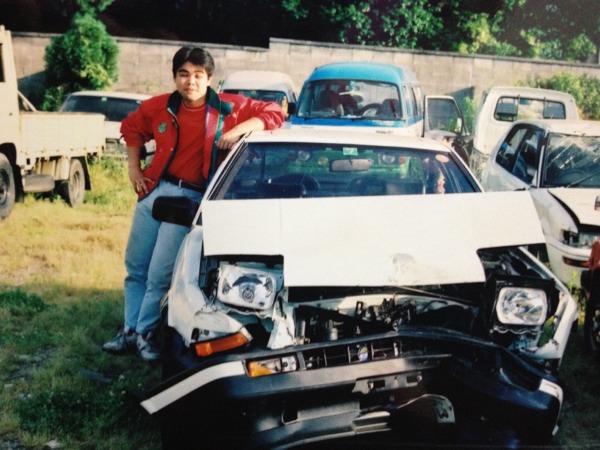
(182, 183)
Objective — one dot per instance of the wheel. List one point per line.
(309, 182)
(73, 190)
(7, 187)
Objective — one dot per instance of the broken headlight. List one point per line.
(248, 285)
(521, 306)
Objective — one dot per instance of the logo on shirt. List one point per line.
(162, 127)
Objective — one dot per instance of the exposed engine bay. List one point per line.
(512, 308)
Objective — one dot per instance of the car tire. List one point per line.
(7, 187)
(73, 190)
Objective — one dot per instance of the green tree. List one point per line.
(554, 29)
(84, 58)
(468, 25)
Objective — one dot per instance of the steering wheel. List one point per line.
(309, 182)
(369, 110)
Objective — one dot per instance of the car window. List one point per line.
(507, 154)
(510, 109)
(410, 101)
(526, 160)
(350, 98)
(572, 160)
(321, 170)
(115, 109)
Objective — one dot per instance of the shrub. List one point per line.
(84, 58)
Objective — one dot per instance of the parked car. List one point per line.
(328, 288)
(557, 162)
(265, 85)
(114, 105)
(500, 106)
(370, 96)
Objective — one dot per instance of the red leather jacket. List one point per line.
(156, 118)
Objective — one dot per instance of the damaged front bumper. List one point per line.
(382, 382)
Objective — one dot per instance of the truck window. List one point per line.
(509, 109)
(410, 101)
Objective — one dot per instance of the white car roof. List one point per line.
(259, 80)
(341, 136)
(114, 94)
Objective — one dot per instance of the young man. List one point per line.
(194, 128)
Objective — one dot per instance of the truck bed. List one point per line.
(48, 134)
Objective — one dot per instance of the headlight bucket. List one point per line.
(517, 305)
(519, 302)
(252, 286)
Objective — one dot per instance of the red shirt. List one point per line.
(189, 161)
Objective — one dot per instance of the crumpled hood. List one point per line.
(373, 241)
(581, 202)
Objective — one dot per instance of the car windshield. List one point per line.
(294, 170)
(115, 109)
(353, 99)
(572, 160)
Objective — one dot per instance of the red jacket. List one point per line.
(156, 118)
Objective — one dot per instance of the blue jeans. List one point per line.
(149, 259)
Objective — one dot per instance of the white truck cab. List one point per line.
(500, 106)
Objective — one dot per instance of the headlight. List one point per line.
(251, 286)
(580, 239)
(521, 306)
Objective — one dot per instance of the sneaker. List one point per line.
(124, 342)
(147, 347)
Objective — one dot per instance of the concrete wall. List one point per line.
(145, 65)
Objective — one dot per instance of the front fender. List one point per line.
(189, 310)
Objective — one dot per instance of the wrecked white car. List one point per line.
(556, 161)
(334, 284)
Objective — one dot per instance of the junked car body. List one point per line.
(115, 106)
(333, 284)
(557, 161)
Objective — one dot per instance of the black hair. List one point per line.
(196, 56)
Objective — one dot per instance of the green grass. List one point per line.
(61, 277)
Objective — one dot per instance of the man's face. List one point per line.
(191, 82)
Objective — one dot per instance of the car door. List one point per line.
(514, 163)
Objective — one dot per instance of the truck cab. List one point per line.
(377, 97)
(361, 95)
(500, 106)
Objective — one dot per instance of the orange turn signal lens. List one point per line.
(272, 366)
(221, 345)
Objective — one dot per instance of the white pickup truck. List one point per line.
(41, 152)
(500, 106)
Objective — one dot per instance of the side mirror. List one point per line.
(176, 210)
